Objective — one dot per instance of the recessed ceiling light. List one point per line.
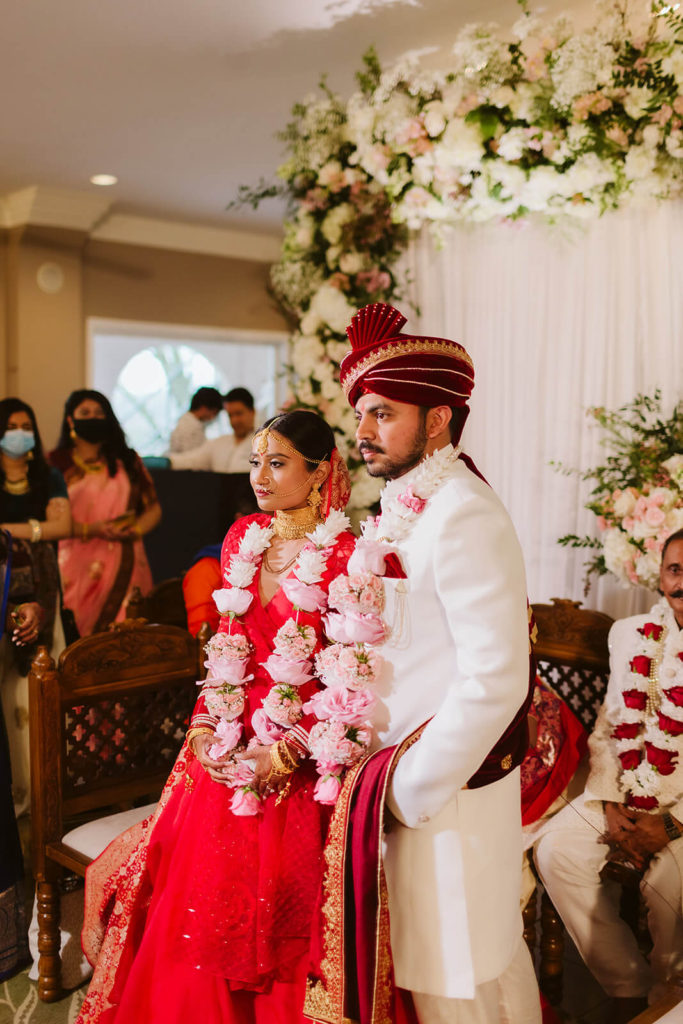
(103, 179)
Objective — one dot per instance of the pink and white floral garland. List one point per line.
(290, 665)
(649, 742)
(351, 665)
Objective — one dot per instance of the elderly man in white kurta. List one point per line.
(633, 804)
(458, 659)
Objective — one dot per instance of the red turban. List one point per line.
(403, 367)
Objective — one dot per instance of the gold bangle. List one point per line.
(36, 530)
(85, 527)
(196, 731)
(282, 759)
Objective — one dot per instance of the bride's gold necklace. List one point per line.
(283, 568)
(295, 523)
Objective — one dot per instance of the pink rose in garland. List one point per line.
(353, 628)
(328, 786)
(338, 743)
(283, 705)
(286, 670)
(362, 592)
(267, 732)
(635, 699)
(306, 596)
(352, 707)
(226, 701)
(227, 735)
(245, 803)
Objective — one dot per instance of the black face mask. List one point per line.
(94, 431)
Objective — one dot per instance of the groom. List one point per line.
(457, 659)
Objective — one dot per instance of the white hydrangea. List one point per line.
(335, 220)
(332, 308)
(512, 144)
(639, 162)
(618, 550)
(582, 64)
(460, 146)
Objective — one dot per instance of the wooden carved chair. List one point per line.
(573, 660)
(106, 725)
(164, 604)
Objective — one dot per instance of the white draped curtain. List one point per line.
(556, 322)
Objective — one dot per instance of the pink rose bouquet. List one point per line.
(226, 701)
(362, 592)
(294, 641)
(283, 705)
(354, 666)
(338, 743)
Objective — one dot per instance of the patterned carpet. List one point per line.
(19, 1003)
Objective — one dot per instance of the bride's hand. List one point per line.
(200, 747)
(263, 768)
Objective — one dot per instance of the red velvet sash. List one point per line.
(352, 980)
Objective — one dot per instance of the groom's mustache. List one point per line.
(365, 446)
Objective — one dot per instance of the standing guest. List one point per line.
(20, 618)
(230, 453)
(211, 913)
(199, 583)
(631, 810)
(189, 430)
(114, 505)
(34, 508)
(450, 723)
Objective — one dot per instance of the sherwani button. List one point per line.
(423, 818)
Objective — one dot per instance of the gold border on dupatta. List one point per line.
(324, 1002)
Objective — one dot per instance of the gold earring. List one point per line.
(314, 499)
(72, 434)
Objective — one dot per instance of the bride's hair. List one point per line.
(307, 432)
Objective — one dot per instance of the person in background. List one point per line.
(199, 583)
(230, 453)
(20, 618)
(629, 820)
(114, 505)
(189, 430)
(34, 509)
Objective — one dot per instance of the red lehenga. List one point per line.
(198, 913)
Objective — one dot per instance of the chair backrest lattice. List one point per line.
(108, 721)
(572, 655)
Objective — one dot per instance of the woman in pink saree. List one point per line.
(113, 504)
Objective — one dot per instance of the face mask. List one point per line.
(16, 443)
(94, 431)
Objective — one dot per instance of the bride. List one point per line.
(204, 911)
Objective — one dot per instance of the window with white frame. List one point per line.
(150, 372)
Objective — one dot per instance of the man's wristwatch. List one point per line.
(670, 826)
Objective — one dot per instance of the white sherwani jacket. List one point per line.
(458, 655)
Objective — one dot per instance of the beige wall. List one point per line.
(42, 336)
(135, 283)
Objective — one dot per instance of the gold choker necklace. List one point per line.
(19, 486)
(295, 523)
(88, 467)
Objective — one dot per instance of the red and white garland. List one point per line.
(650, 725)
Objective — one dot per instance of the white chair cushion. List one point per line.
(94, 837)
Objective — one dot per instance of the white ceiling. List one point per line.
(181, 99)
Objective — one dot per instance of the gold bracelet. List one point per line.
(84, 530)
(282, 759)
(198, 730)
(36, 530)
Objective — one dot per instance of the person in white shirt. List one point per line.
(189, 430)
(231, 452)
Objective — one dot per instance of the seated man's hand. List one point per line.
(620, 822)
(649, 835)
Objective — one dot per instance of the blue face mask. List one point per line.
(16, 443)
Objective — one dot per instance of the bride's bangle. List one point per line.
(282, 759)
(197, 731)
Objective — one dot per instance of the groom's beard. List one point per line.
(389, 468)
